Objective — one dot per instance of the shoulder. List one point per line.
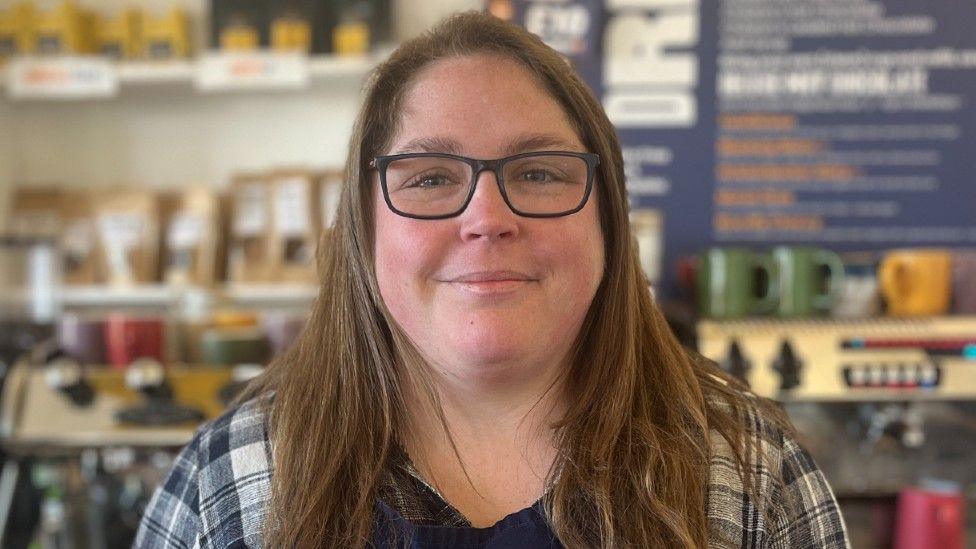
(217, 493)
(790, 503)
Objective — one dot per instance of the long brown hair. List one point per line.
(632, 469)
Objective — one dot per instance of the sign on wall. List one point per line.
(756, 122)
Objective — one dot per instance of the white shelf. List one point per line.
(183, 74)
(149, 73)
(108, 296)
(159, 295)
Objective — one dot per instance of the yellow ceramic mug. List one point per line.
(916, 282)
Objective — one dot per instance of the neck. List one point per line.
(502, 414)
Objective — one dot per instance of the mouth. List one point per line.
(491, 282)
(491, 276)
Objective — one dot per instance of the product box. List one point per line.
(65, 29)
(249, 246)
(120, 37)
(66, 217)
(34, 212)
(8, 36)
(78, 239)
(239, 25)
(16, 30)
(291, 31)
(296, 224)
(127, 224)
(360, 25)
(166, 37)
(191, 237)
(288, 25)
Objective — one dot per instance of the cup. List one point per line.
(916, 282)
(859, 297)
(929, 519)
(233, 346)
(809, 280)
(728, 285)
(964, 282)
(130, 338)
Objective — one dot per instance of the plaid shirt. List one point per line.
(217, 494)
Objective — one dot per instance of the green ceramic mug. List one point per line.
(810, 280)
(728, 285)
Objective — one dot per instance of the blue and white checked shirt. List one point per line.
(217, 494)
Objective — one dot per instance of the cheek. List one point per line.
(405, 257)
(392, 260)
(577, 257)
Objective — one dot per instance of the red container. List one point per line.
(930, 520)
(130, 338)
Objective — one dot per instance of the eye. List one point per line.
(429, 180)
(537, 176)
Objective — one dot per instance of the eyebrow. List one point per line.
(522, 143)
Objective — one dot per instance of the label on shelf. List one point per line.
(224, 71)
(67, 77)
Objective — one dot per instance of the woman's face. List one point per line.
(487, 293)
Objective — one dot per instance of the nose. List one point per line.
(487, 216)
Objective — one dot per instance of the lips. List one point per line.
(491, 276)
(491, 284)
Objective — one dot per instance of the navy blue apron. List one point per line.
(525, 529)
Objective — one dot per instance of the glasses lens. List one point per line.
(428, 186)
(546, 184)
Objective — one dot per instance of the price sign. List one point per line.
(220, 71)
(67, 77)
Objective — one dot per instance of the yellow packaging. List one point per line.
(351, 38)
(166, 37)
(17, 30)
(65, 29)
(8, 36)
(291, 33)
(239, 35)
(120, 36)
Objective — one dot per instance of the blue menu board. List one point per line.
(847, 124)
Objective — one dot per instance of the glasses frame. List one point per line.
(380, 163)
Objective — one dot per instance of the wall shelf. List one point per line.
(174, 76)
(162, 295)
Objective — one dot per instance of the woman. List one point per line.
(484, 366)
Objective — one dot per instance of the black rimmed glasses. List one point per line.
(440, 185)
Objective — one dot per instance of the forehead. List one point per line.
(484, 106)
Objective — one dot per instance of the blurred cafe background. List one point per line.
(802, 194)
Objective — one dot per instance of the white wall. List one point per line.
(165, 138)
(161, 141)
